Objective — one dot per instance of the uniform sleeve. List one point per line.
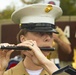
(8, 72)
(62, 36)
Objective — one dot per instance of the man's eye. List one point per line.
(39, 33)
(42, 34)
(49, 33)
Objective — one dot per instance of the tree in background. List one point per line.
(68, 7)
(6, 14)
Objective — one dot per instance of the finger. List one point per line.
(27, 53)
(8, 54)
(2, 53)
(5, 51)
(29, 42)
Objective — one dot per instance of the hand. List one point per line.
(35, 54)
(4, 57)
(55, 36)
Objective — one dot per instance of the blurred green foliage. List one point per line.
(6, 14)
(68, 7)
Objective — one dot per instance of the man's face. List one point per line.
(42, 39)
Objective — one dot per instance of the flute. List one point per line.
(25, 48)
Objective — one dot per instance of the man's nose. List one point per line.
(48, 37)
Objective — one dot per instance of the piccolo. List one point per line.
(25, 48)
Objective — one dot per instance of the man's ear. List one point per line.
(22, 38)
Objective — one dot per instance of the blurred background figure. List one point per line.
(61, 42)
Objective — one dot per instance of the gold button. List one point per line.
(48, 8)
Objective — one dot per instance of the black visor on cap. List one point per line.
(39, 27)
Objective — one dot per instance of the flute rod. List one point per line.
(25, 48)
